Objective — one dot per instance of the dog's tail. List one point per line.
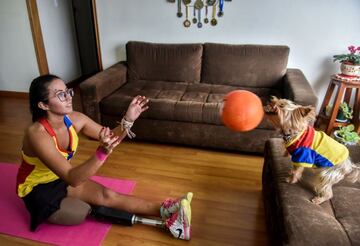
(347, 169)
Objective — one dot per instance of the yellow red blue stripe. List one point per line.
(33, 171)
(316, 149)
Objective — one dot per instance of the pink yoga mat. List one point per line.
(14, 219)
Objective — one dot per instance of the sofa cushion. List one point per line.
(178, 101)
(165, 62)
(346, 201)
(244, 65)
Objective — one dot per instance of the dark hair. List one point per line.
(39, 92)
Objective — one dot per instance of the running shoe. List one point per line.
(179, 224)
(170, 206)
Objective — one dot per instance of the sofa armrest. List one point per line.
(298, 89)
(102, 84)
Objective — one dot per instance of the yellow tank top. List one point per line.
(33, 171)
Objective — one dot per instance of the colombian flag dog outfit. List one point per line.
(316, 149)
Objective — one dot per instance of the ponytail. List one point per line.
(38, 92)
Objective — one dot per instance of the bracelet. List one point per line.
(100, 154)
(126, 126)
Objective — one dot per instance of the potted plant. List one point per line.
(350, 63)
(345, 113)
(346, 135)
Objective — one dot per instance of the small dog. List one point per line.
(310, 148)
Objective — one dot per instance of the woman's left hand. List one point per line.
(108, 140)
(136, 107)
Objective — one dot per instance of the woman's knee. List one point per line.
(108, 197)
(72, 211)
(93, 193)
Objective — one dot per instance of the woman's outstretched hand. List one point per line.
(108, 140)
(136, 107)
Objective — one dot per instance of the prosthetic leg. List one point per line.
(74, 211)
(121, 217)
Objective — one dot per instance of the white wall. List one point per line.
(18, 63)
(58, 30)
(314, 30)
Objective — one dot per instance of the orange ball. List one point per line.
(242, 110)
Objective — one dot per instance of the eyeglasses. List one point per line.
(62, 95)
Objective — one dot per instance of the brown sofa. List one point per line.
(293, 220)
(186, 84)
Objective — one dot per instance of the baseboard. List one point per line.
(14, 94)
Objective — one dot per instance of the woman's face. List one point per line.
(60, 98)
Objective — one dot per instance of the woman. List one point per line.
(55, 191)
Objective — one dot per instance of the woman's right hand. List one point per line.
(108, 140)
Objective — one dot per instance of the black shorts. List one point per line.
(44, 200)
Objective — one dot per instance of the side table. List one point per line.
(345, 87)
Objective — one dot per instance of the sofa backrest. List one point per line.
(164, 62)
(244, 65)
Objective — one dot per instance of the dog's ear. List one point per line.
(273, 99)
(270, 107)
(308, 112)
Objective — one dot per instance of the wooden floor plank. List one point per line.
(227, 206)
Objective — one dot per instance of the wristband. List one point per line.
(126, 126)
(100, 154)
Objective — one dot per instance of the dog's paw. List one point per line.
(318, 200)
(294, 181)
(291, 180)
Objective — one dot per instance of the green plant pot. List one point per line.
(340, 117)
(342, 141)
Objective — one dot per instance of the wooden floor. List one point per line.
(227, 207)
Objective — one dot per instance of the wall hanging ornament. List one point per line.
(208, 9)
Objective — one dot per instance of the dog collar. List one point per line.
(289, 137)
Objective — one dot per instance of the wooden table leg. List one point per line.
(335, 108)
(357, 110)
(347, 96)
(328, 95)
(326, 101)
